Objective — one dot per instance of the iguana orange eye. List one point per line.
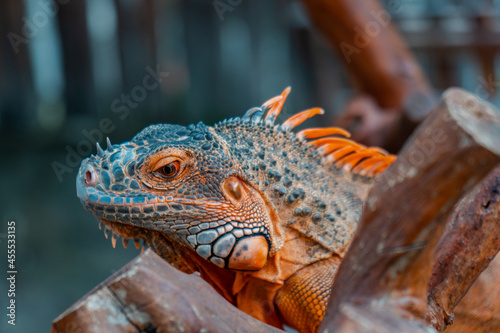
(169, 170)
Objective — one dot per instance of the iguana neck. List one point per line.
(306, 190)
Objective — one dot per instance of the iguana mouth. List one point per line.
(145, 239)
(126, 232)
(243, 240)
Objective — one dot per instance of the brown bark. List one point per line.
(149, 295)
(393, 92)
(479, 310)
(382, 282)
(470, 241)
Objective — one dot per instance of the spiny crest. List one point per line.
(331, 142)
(168, 132)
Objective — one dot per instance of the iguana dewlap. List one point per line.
(264, 214)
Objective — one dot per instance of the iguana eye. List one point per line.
(169, 170)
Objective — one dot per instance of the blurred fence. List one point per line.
(457, 41)
(66, 64)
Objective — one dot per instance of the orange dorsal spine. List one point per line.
(341, 151)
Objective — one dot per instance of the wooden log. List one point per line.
(479, 310)
(381, 285)
(149, 295)
(471, 240)
(382, 65)
(395, 94)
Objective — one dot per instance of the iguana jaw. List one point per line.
(127, 232)
(241, 260)
(249, 254)
(168, 250)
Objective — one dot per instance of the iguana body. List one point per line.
(262, 213)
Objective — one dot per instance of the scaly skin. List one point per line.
(263, 214)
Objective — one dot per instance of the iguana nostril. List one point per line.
(90, 177)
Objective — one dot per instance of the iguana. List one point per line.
(263, 214)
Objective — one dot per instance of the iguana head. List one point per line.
(181, 182)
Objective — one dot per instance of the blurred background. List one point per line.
(73, 72)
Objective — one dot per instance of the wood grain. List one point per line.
(382, 283)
